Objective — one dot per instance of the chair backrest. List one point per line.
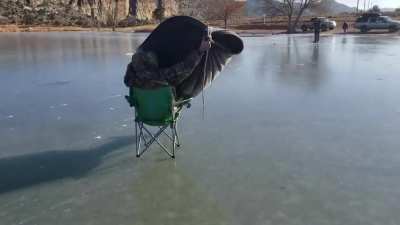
(153, 106)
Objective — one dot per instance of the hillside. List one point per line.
(333, 7)
(258, 8)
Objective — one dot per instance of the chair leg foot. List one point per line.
(137, 156)
(173, 157)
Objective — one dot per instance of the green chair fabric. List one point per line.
(154, 107)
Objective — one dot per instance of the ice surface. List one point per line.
(293, 134)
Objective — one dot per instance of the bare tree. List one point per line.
(221, 9)
(210, 10)
(375, 9)
(230, 8)
(293, 9)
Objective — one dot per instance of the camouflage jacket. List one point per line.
(143, 71)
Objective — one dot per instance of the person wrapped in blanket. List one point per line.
(144, 71)
(183, 53)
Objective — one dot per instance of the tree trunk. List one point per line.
(297, 19)
(225, 20)
(92, 15)
(99, 13)
(115, 15)
(132, 7)
(290, 28)
(160, 4)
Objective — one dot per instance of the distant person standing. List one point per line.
(317, 29)
(345, 27)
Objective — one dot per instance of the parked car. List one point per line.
(325, 24)
(376, 21)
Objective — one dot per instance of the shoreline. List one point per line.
(11, 28)
(137, 29)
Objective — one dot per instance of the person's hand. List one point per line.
(205, 45)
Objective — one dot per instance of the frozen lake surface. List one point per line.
(293, 134)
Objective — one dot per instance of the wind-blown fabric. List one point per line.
(225, 44)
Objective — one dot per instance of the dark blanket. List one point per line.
(175, 38)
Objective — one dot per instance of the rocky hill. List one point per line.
(54, 12)
(333, 7)
(85, 12)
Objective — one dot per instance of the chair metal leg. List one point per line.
(177, 135)
(169, 136)
(140, 131)
(174, 133)
(154, 138)
(139, 138)
(174, 145)
(136, 139)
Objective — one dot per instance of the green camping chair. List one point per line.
(157, 108)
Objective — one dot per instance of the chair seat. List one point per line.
(157, 123)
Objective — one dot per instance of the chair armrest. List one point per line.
(183, 102)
